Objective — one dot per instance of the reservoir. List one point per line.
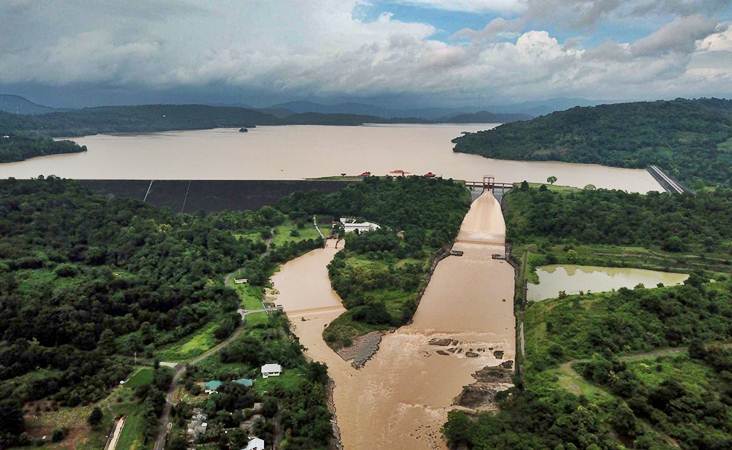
(572, 279)
(307, 151)
(401, 397)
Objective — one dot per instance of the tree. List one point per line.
(11, 417)
(95, 417)
(551, 180)
(106, 342)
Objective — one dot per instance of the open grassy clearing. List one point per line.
(289, 381)
(191, 346)
(290, 232)
(140, 377)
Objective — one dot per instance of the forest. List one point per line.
(675, 223)
(17, 148)
(88, 283)
(151, 118)
(643, 368)
(690, 139)
(379, 274)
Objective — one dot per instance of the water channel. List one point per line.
(401, 397)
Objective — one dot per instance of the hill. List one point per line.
(20, 105)
(691, 139)
(436, 114)
(485, 117)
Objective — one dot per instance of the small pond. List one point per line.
(572, 279)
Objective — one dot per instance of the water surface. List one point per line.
(400, 399)
(307, 151)
(572, 279)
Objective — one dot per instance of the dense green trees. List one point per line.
(85, 280)
(17, 147)
(691, 139)
(700, 222)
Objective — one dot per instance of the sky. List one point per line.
(398, 52)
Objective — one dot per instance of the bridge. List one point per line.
(489, 183)
(667, 182)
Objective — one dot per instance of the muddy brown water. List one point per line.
(307, 151)
(401, 397)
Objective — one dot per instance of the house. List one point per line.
(197, 425)
(212, 386)
(255, 443)
(350, 224)
(271, 370)
(365, 174)
(241, 281)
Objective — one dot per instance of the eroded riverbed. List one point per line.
(464, 323)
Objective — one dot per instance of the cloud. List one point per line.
(497, 28)
(320, 48)
(680, 35)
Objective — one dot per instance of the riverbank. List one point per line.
(401, 397)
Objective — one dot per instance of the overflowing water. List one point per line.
(401, 397)
(306, 151)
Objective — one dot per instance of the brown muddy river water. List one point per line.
(572, 279)
(401, 397)
(307, 151)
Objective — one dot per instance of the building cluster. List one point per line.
(197, 425)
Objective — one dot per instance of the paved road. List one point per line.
(112, 443)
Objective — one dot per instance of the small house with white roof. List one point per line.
(271, 370)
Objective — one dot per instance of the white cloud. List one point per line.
(318, 47)
(498, 28)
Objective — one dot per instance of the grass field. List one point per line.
(289, 381)
(141, 377)
(191, 346)
(284, 233)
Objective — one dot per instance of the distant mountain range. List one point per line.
(521, 110)
(487, 113)
(20, 105)
(431, 114)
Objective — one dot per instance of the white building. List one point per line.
(271, 370)
(255, 443)
(350, 224)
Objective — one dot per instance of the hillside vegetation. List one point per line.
(643, 368)
(691, 139)
(18, 148)
(89, 285)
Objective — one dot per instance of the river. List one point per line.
(401, 397)
(307, 151)
(572, 279)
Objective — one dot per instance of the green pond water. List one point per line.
(572, 279)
